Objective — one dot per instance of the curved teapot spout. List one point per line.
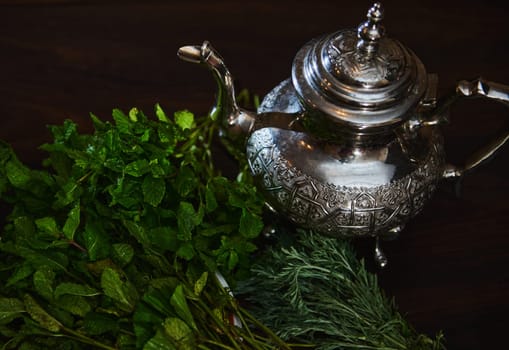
(236, 121)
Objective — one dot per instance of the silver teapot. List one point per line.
(350, 145)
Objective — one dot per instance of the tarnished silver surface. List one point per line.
(350, 145)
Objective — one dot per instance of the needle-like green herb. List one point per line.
(318, 291)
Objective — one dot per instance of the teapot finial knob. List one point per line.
(371, 31)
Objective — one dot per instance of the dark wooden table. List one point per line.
(449, 270)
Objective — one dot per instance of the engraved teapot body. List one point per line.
(351, 144)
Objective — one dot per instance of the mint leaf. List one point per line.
(160, 114)
(212, 230)
(250, 224)
(25, 227)
(17, 174)
(75, 289)
(72, 222)
(200, 284)
(38, 314)
(43, 280)
(187, 219)
(98, 123)
(54, 259)
(137, 232)
(68, 193)
(159, 341)
(153, 190)
(10, 308)
(23, 271)
(48, 225)
(120, 289)
(121, 121)
(95, 240)
(74, 304)
(186, 181)
(137, 168)
(122, 253)
(184, 119)
(167, 134)
(98, 323)
(179, 303)
(133, 114)
(210, 199)
(163, 238)
(233, 260)
(186, 251)
(180, 332)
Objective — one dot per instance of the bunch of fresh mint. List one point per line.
(116, 244)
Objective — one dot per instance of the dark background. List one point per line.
(450, 268)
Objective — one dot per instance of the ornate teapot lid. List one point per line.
(360, 78)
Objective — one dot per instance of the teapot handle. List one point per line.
(469, 89)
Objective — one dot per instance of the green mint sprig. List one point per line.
(115, 245)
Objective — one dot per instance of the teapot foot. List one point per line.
(380, 257)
